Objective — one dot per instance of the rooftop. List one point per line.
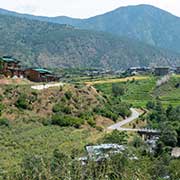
(9, 59)
(42, 70)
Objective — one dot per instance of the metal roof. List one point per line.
(8, 59)
(41, 70)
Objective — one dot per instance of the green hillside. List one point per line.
(38, 43)
(142, 22)
(139, 93)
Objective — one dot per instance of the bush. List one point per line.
(66, 120)
(68, 95)
(116, 137)
(106, 113)
(118, 90)
(1, 108)
(22, 102)
(61, 108)
(150, 105)
(99, 128)
(91, 122)
(4, 122)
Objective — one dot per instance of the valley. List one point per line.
(90, 99)
(30, 122)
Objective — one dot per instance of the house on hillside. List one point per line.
(177, 70)
(161, 71)
(40, 75)
(10, 67)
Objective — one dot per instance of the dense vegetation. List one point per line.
(65, 46)
(133, 163)
(167, 120)
(43, 133)
(143, 22)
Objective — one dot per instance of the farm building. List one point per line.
(161, 71)
(40, 75)
(10, 67)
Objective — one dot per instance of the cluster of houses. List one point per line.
(157, 71)
(10, 67)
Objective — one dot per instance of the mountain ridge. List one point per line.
(145, 23)
(51, 45)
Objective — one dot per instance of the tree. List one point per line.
(169, 136)
(118, 89)
(150, 105)
(116, 137)
(171, 113)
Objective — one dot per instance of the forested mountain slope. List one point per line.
(38, 43)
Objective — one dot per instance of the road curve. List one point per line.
(135, 114)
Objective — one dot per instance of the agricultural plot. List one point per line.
(138, 92)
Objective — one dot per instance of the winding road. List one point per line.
(135, 114)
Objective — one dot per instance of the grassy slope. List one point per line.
(28, 135)
(33, 138)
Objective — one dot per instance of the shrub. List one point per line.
(99, 128)
(117, 137)
(68, 95)
(150, 105)
(66, 120)
(91, 122)
(106, 113)
(4, 122)
(22, 102)
(118, 90)
(1, 108)
(61, 108)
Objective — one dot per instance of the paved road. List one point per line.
(46, 86)
(135, 114)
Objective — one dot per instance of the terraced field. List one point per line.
(139, 91)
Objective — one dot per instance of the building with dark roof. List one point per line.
(40, 75)
(161, 71)
(10, 67)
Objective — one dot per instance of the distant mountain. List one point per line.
(51, 45)
(143, 22)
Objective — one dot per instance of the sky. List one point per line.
(81, 8)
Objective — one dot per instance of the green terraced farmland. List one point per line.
(139, 92)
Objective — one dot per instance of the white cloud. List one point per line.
(81, 8)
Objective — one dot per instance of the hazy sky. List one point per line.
(81, 8)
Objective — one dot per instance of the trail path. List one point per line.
(46, 86)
